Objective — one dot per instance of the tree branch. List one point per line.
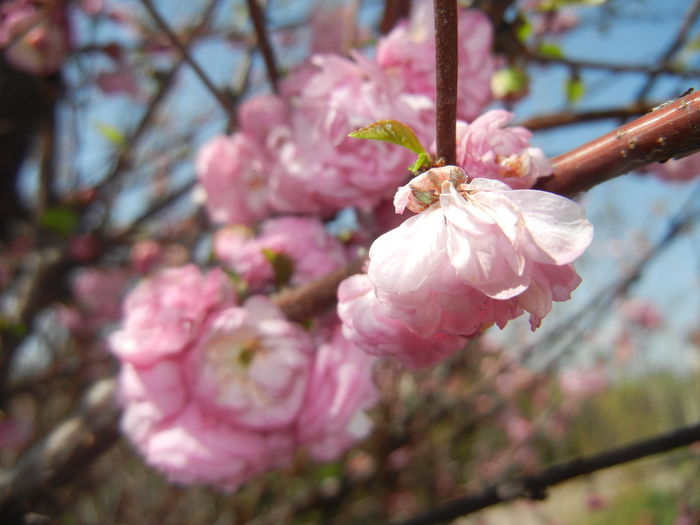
(65, 451)
(567, 118)
(258, 17)
(535, 487)
(223, 101)
(446, 65)
(690, 18)
(670, 131)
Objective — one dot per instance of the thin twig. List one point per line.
(446, 66)
(223, 101)
(535, 487)
(688, 22)
(258, 17)
(613, 68)
(65, 451)
(567, 118)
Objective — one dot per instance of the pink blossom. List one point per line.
(35, 35)
(408, 53)
(146, 255)
(121, 81)
(366, 326)
(243, 394)
(323, 170)
(164, 314)
(487, 148)
(311, 250)
(480, 253)
(99, 292)
(222, 410)
(262, 117)
(334, 28)
(340, 390)
(584, 382)
(681, 170)
(641, 312)
(234, 174)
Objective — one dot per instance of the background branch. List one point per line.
(535, 486)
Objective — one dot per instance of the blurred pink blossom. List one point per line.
(323, 170)
(583, 382)
(480, 253)
(312, 251)
(146, 255)
(233, 171)
(239, 390)
(99, 291)
(681, 170)
(35, 35)
(164, 314)
(341, 388)
(488, 148)
(121, 81)
(641, 312)
(408, 54)
(334, 28)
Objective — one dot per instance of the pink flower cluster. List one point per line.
(35, 34)
(681, 170)
(292, 153)
(310, 251)
(478, 253)
(408, 52)
(217, 392)
(487, 148)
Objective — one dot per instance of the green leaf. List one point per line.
(282, 266)
(112, 134)
(575, 89)
(523, 31)
(60, 219)
(391, 131)
(421, 164)
(509, 81)
(555, 5)
(12, 328)
(550, 50)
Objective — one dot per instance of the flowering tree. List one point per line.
(363, 215)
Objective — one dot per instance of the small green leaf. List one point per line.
(282, 266)
(12, 328)
(391, 131)
(112, 134)
(421, 164)
(550, 50)
(509, 81)
(555, 5)
(575, 89)
(60, 219)
(523, 31)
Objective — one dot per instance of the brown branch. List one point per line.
(671, 131)
(165, 83)
(567, 118)
(65, 451)
(690, 18)
(223, 101)
(535, 487)
(394, 11)
(613, 68)
(263, 40)
(446, 66)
